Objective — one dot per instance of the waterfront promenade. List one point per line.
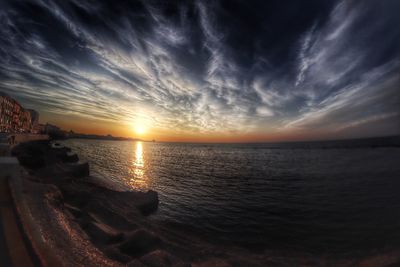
(15, 249)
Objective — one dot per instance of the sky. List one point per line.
(235, 71)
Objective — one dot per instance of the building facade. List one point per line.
(14, 118)
(34, 120)
(6, 113)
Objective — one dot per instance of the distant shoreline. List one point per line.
(107, 138)
(372, 142)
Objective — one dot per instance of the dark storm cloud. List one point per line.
(206, 66)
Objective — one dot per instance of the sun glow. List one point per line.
(139, 128)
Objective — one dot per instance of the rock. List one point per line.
(68, 157)
(31, 154)
(148, 202)
(54, 196)
(103, 234)
(212, 263)
(71, 157)
(139, 243)
(161, 258)
(78, 201)
(114, 254)
(31, 161)
(77, 170)
(135, 263)
(113, 219)
(60, 147)
(32, 148)
(77, 213)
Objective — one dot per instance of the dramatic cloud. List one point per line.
(207, 67)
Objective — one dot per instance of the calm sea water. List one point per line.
(260, 196)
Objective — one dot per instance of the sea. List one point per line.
(324, 198)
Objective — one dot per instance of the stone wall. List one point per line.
(21, 138)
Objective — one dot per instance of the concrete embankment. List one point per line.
(22, 138)
(9, 140)
(15, 249)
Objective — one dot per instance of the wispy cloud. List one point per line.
(177, 67)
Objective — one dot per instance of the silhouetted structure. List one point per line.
(34, 120)
(14, 118)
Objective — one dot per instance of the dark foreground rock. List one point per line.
(31, 155)
(139, 243)
(69, 157)
(161, 258)
(76, 170)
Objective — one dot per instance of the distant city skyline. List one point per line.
(206, 71)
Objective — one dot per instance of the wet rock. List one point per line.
(121, 210)
(113, 219)
(114, 254)
(79, 202)
(76, 170)
(139, 243)
(60, 147)
(161, 258)
(31, 161)
(147, 202)
(84, 221)
(67, 157)
(71, 157)
(103, 205)
(32, 154)
(135, 263)
(103, 234)
(34, 148)
(54, 196)
(213, 263)
(77, 213)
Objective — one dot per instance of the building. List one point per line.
(14, 118)
(34, 120)
(50, 128)
(16, 121)
(6, 113)
(25, 121)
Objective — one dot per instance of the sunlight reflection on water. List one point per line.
(138, 179)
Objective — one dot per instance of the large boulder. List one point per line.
(31, 154)
(67, 157)
(135, 263)
(77, 170)
(114, 254)
(161, 258)
(212, 263)
(139, 243)
(103, 234)
(147, 202)
(31, 161)
(71, 157)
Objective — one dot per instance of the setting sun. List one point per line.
(139, 129)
